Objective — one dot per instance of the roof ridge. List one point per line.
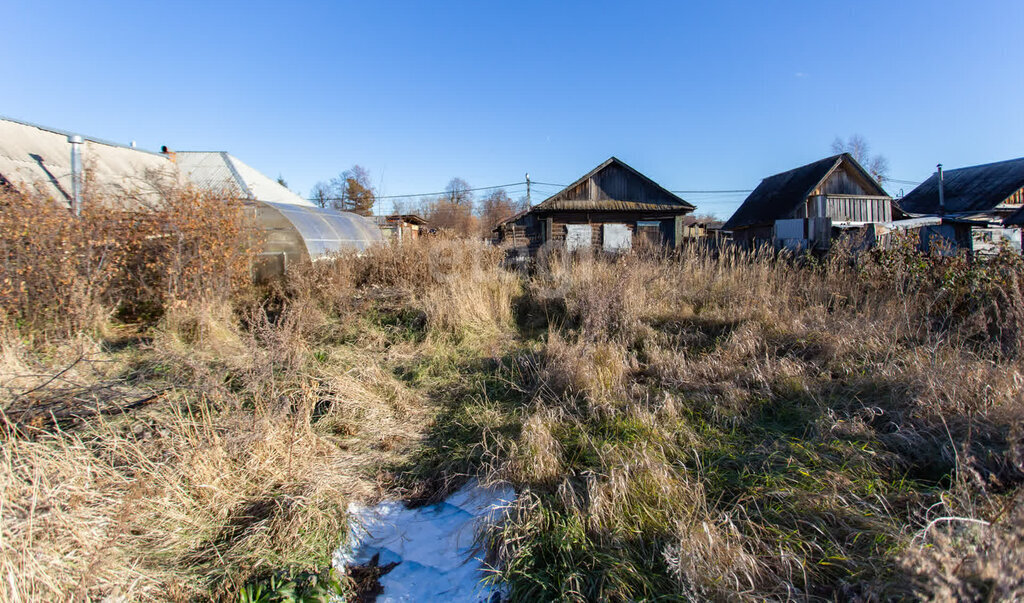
(234, 173)
(606, 163)
(981, 165)
(833, 158)
(93, 139)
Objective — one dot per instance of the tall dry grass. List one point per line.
(687, 425)
(262, 419)
(740, 425)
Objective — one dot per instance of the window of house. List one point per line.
(577, 236)
(649, 232)
(617, 237)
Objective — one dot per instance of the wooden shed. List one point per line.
(610, 208)
(803, 204)
(401, 227)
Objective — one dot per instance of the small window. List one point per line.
(617, 237)
(649, 232)
(577, 236)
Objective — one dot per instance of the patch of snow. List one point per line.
(435, 546)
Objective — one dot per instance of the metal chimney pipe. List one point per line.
(942, 193)
(77, 174)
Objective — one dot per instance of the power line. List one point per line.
(716, 191)
(720, 191)
(466, 190)
(534, 182)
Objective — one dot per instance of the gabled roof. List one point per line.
(410, 218)
(222, 171)
(560, 202)
(37, 159)
(976, 188)
(779, 195)
(413, 219)
(512, 218)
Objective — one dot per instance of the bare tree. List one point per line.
(459, 192)
(321, 194)
(453, 210)
(495, 207)
(349, 191)
(406, 206)
(857, 146)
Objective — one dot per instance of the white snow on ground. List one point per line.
(435, 546)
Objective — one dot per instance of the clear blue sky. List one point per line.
(697, 97)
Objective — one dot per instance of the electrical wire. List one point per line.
(534, 183)
(465, 190)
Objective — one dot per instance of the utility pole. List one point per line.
(528, 202)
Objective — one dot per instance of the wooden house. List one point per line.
(801, 207)
(986, 197)
(610, 208)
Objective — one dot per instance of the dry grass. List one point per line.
(739, 426)
(684, 426)
(271, 415)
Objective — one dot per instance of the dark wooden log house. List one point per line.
(610, 208)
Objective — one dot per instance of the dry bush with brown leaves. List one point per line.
(61, 273)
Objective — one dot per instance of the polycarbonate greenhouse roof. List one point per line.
(326, 231)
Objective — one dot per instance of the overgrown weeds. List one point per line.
(744, 426)
(682, 425)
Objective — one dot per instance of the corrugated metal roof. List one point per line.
(912, 223)
(778, 196)
(976, 188)
(35, 159)
(609, 205)
(222, 171)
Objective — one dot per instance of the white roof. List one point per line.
(38, 159)
(221, 171)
